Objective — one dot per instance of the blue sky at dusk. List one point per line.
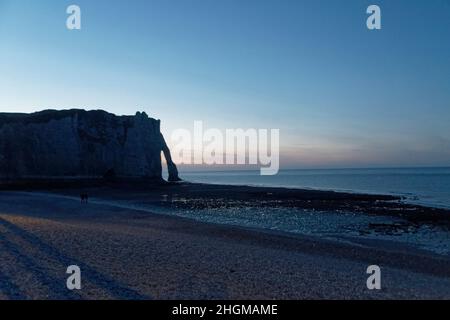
(341, 95)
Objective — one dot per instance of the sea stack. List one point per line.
(81, 144)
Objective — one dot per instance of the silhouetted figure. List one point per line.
(84, 198)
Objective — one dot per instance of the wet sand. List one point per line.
(127, 253)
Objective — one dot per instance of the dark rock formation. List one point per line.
(171, 167)
(81, 144)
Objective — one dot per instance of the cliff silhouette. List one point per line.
(76, 143)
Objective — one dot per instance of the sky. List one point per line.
(341, 95)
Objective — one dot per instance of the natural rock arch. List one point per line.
(171, 167)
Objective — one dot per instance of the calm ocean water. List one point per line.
(428, 186)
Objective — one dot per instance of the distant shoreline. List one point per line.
(368, 217)
(312, 169)
(424, 186)
(396, 197)
(155, 183)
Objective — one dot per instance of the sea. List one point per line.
(424, 186)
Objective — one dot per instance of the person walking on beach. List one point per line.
(84, 198)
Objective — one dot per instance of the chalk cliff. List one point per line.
(82, 144)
